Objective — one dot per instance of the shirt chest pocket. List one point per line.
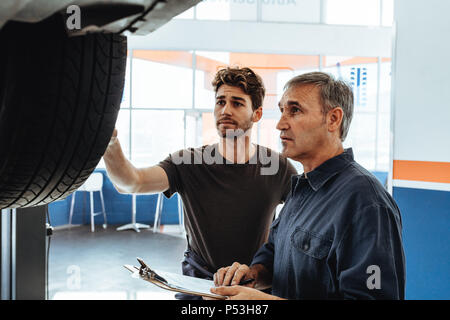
(310, 243)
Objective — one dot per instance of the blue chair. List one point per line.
(93, 184)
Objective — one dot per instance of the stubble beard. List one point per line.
(235, 133)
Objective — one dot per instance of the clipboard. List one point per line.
(173, 282)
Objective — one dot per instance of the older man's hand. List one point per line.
(242, 293)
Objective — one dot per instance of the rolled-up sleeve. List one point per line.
(264, 256)
(370, 258)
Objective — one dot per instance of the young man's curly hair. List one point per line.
(244, 78)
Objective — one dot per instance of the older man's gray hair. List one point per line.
(333, 93)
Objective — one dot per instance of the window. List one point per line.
(346, 12)
(243, 10)
(125, 103)
(361, 73)
(123, 131)
(387, 11)
(299, 11)
(161, 79)
(353, 12)
(209, 134)
(123, 134)
(384, 115)
(369, 130)
(155, 135)
(362, 138)
(206, 65)
(172, 101)
(269, 136)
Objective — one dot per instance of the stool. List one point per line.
(133, 225)
(158, 213)
(93, 184)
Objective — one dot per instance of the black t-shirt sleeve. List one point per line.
(173, 174)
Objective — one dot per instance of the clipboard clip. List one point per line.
(146, 272)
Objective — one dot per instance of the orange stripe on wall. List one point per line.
(422, 171)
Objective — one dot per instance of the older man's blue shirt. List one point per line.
(337, 237)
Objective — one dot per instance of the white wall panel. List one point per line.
(422, 81)
(277, 38)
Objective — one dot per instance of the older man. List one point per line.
(339, 233)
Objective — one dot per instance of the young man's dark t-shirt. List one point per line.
(228, 206)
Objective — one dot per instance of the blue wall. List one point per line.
(117, 206)
(382, 176)
(426, 240)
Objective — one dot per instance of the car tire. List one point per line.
(59, 101)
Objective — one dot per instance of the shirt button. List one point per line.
(306, 246)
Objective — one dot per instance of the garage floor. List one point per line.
(85, 265)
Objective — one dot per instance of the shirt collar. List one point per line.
(319, 176)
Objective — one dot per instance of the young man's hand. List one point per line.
(126, 178)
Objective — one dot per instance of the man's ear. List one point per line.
(257, 114)
(334, 119)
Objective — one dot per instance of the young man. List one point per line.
(230, 190)
(339, 233)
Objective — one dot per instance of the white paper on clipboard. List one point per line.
(174, 282)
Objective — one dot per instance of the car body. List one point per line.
(136, 16)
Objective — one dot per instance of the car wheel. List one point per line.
(59, 101)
